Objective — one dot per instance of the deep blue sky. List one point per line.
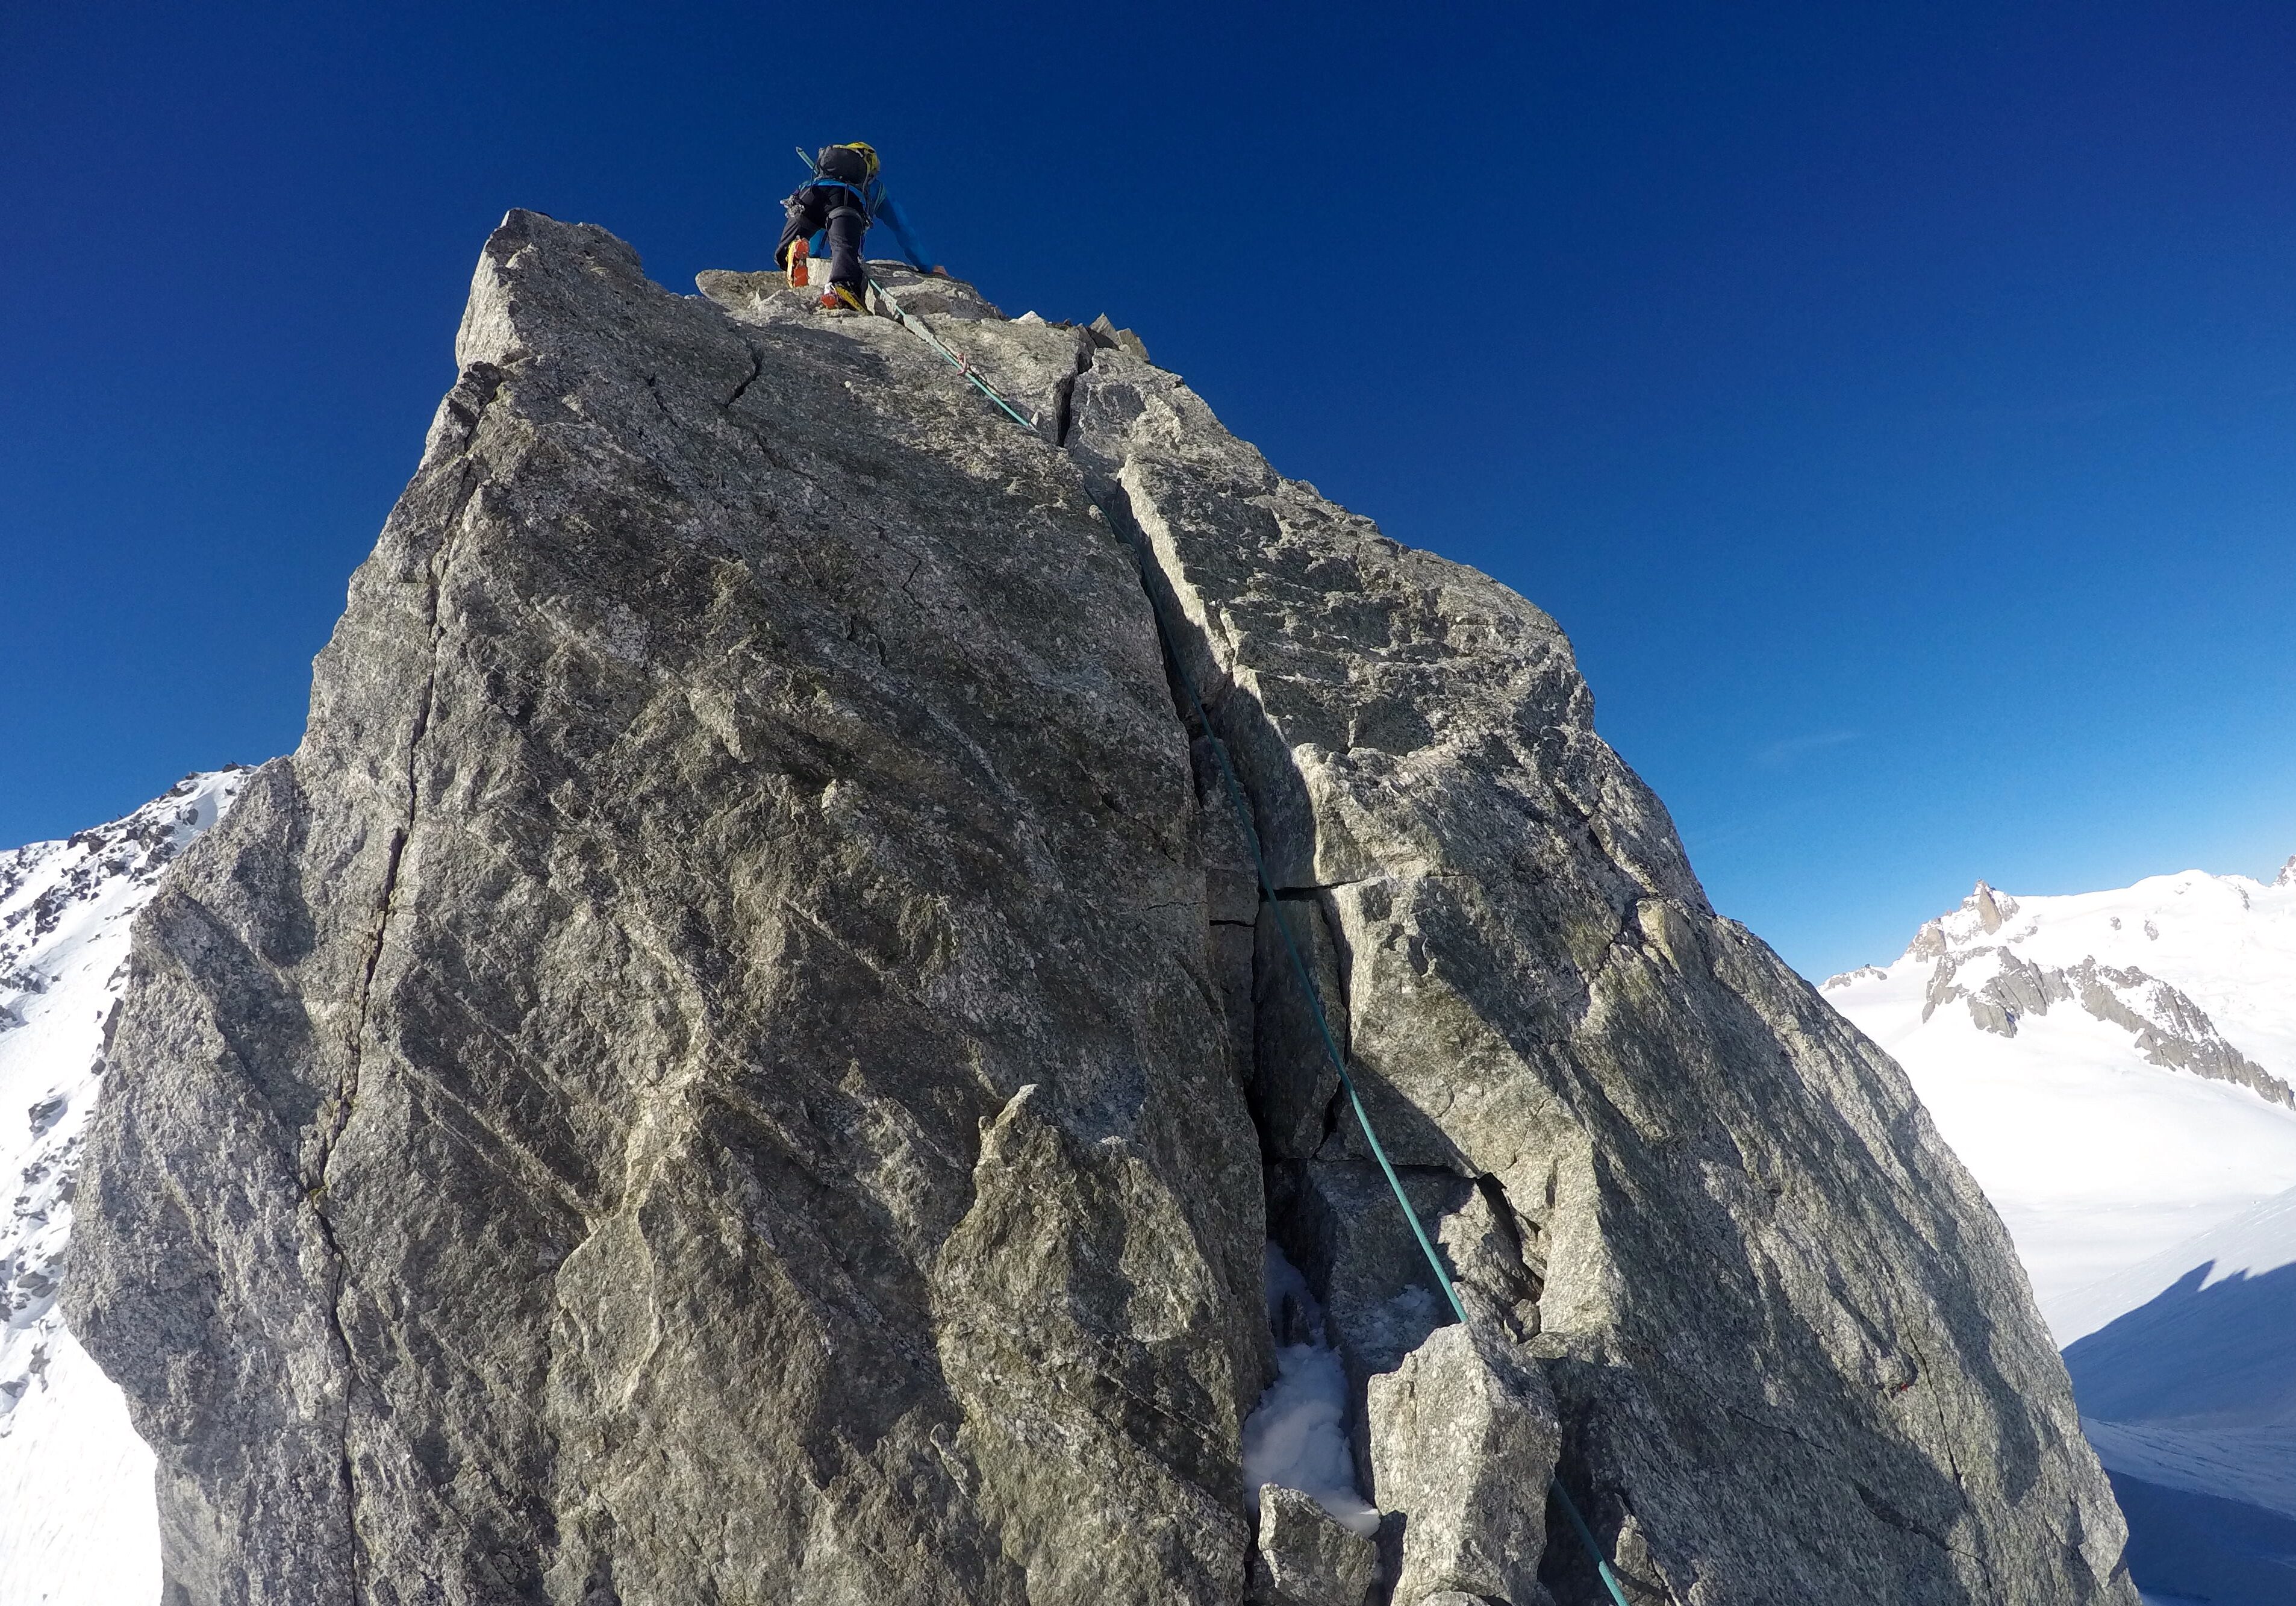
(1897, 406)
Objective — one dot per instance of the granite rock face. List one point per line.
(1304, 1557)
(700, 1079)
(1455, 1430)
(1792, 1352)
(740, 1059)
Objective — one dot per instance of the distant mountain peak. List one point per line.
(2080, 949)
(1992, 909)
(2118, 1068)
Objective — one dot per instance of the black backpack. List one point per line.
(844, 164)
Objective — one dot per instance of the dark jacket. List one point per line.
(875, 205)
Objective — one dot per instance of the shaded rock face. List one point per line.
(742, 1060)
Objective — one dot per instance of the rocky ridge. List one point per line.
(1999, 986)
(742, 1060)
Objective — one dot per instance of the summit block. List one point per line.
(729, 1064)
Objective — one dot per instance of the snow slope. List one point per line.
(2114, 1067)
(2254, 1243)
(2187, 1384)
(78, 1526)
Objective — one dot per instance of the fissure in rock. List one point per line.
(1334, 1224)
(1352, 1301)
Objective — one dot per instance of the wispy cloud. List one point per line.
(1782, 755)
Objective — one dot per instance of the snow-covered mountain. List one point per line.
(78, 1526)
(2116, 1068)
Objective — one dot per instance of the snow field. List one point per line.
(2095, 1159)
(78, 1522)
(2153, 1209)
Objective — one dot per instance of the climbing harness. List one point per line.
(1243, 811)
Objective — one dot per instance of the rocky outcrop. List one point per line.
(1454, 1429)
(741, 1059)
(701, 1078)
(2000, 986)
(2170, 1030)
(2013, 987)
(1541, 998)
(1993, 908)
(1304, 1558)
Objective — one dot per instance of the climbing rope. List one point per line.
(1242, 808)
(956, 360)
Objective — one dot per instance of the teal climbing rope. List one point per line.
(1241, 807)
(1243, 820)
(949, 355)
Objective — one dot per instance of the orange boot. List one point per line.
(797, 269)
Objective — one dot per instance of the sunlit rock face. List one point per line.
(744, 1058)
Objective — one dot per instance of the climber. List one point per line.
(842, 198)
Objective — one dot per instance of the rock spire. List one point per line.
(739, 1058)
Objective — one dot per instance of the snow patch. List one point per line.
(1296, 1436)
